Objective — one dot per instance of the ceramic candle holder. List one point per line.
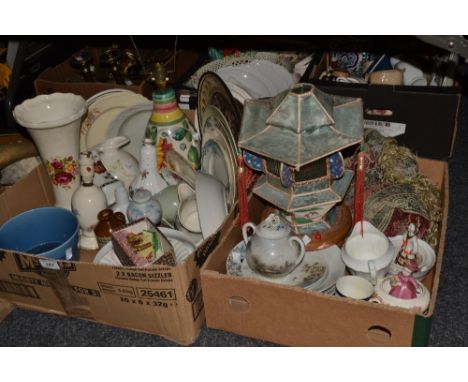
(53, 121)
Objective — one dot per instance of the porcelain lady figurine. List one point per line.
(119, 163)
(402, 291)
(271, 250)
(406, 258)
(169, 127)
(86, 201)
(143, 206)
(403, 286)
(149, 177)
(54, 124)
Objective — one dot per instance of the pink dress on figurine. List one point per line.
(404, 286)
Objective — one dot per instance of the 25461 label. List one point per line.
(157, 294)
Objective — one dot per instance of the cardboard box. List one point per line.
(161, 300)
(66, 79)
(424, 117)
(296, 317)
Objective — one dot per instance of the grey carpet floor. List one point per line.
(449, 326)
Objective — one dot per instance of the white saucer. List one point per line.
(328, 259)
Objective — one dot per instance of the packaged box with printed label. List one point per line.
(294, 316)
(160, 299)
(422, 118)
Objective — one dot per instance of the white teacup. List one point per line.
(412, 75)
(187, 213)
(354, 287)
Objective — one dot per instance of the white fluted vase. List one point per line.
(54, 121)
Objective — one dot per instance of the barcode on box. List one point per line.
(387, 129)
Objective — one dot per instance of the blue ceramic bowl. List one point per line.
(48, 231)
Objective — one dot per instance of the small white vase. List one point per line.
(86, 203)
(53, 121)
(148, 177)
(119, 163)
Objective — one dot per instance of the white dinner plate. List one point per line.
(132, 122)
(101, 113)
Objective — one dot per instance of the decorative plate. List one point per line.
(216, 65)
(218, 157)
(132, 122)
(319, 270)
(101, 112)
(213, 91)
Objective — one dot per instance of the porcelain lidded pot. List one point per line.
(143, 206)
(119, 163)
(271, 250)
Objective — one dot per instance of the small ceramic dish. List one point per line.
(211, 203)
(426, 257)
(181, 242)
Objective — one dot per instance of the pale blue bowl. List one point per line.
(48, 231)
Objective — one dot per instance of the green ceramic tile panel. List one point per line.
(312, 187)
(340, 186)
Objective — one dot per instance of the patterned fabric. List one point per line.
(395, 193)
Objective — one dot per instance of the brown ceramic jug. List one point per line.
(108, 221)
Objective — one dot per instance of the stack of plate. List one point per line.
(257, 79)
(102, 109)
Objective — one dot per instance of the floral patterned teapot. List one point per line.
(271, 250)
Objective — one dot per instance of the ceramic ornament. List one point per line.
(296, 139)
(53, 121)
(86, 202)
(169, 128)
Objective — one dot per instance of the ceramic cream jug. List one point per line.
(271, 250)
(368, 255)
(119, 163)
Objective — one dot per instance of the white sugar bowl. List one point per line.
(368, 255)
(271, 250)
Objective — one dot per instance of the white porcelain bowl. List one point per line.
(211, 203)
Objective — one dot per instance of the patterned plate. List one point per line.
(213, 91)
(318, 271)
